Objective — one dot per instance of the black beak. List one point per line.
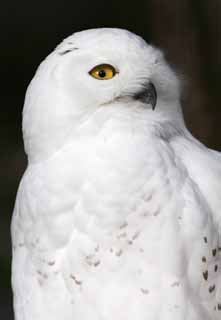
(147, 95)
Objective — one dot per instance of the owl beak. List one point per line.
(147, 95)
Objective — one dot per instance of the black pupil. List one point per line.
(102, 73)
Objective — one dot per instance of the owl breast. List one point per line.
(106, 217)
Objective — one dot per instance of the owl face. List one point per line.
(91, 70)
(103, 67)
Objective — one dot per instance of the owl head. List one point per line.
(99, 71)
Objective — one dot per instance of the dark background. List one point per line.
(187, 31)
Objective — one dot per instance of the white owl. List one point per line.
(117, 215)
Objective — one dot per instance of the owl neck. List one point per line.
(163, 122)
(41, 143)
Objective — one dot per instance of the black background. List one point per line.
(187, 31)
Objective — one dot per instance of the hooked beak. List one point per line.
(147, 95)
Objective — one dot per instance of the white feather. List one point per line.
(117, 215)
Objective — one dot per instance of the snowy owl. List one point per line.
(117, 215)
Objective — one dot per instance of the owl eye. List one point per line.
(103, 72)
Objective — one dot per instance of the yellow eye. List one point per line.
(103, 72)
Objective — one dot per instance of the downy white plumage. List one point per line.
(117, 215)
